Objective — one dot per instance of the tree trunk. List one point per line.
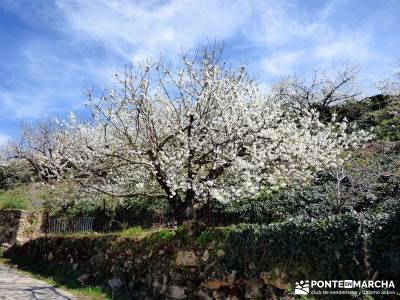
(182, 210)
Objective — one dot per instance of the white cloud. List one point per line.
(94, 38)
(305, 41)
(278, 23)
(4, 138)
(27, 103)
(351, 46)
(282, 63)
(291, 37)
(125, 31)
(136, 30)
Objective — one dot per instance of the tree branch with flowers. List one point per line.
(197, 132)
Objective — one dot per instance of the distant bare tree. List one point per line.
(391, 85)
(319, 92)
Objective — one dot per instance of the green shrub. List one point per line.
(384, 245)
(212, 234)
(356, 246)
(323, 249)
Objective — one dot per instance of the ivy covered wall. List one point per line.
(246, 261)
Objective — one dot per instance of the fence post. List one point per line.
(45, 222)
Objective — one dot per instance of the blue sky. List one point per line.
(52, 50)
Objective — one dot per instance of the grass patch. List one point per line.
(29, 196)
(163, 235)
(12, 201)
(133, 231)
(136, 232)
(24, 196)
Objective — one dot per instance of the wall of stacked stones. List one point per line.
(18, 226)
(236, 262)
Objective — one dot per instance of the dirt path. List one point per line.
(17, 285)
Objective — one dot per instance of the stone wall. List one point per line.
(18, 226)
(162, 265)
(235, 262)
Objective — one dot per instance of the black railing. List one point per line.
(69, 225)
(122, 219)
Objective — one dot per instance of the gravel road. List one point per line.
(17, 285)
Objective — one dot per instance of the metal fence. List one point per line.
(102, 222)
(68, 225)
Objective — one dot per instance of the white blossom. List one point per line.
(207, 132)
